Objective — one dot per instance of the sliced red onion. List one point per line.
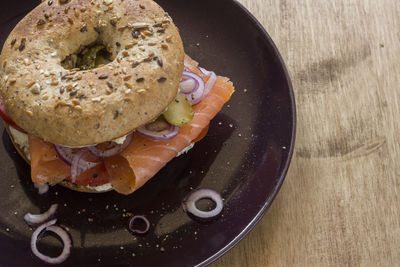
(138, 231)
(42, 188)
(190, 82)
(79, 164)
(210, 83)
(35, 219)
(196, 96)
(204, 71)
(115, 150)
(163, 135)
(66, 239)
(66, 154)
(189, 203)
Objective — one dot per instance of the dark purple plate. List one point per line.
(245, 157)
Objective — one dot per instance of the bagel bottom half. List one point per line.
(65, 183)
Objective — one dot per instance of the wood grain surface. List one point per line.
(339, 205)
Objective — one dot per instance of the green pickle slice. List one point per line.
(179, 112)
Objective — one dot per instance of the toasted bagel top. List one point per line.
(85, 107)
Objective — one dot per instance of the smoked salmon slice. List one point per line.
(146, 157)
(143, 158)
(46, 166)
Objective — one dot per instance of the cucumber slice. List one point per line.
(179, 112)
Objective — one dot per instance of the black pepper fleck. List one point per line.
(135, 64)
(118, 44)
(103, 77)
(139, 80)
(110, 85)
(95, 175)
(162, 79)
(13, 42)
(148, 59)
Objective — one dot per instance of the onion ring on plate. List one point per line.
(189, 204)
(35, 219)
(137, 231)
(66, 239)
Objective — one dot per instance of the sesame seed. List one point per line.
(103, 77)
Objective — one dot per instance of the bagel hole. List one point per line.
(88, 57)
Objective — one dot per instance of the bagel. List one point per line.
(90, 93)
(75, 107)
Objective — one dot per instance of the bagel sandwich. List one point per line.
(98, 95)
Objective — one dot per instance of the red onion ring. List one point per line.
(196, 96)
(66, 239)
(137, 231)
(112, 151)
(35, 219)
(79, 164)
(163, 135)
(190, 76)
(189, 204)
(42, 188)
(210, 84)
(204, 71)
(66, 154)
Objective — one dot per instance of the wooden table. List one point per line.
(339, 205)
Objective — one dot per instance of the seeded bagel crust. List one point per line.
(80, 108)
